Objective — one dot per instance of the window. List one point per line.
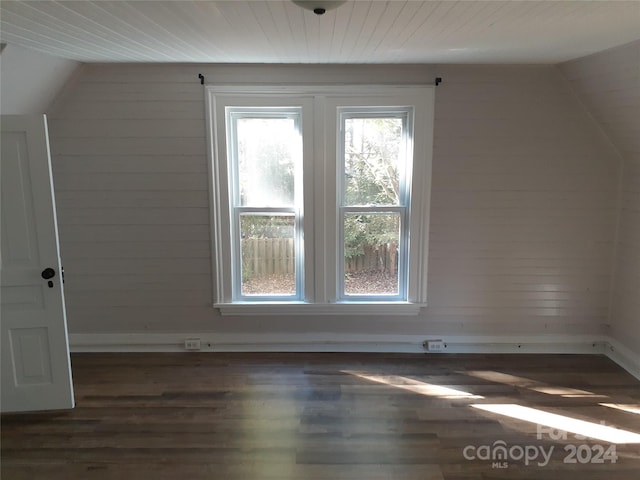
(373, 202)
(264, 151)
(320, 198)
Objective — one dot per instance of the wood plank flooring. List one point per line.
(191, 416)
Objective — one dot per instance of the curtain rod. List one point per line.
(438, 80)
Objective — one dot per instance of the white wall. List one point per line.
(523, 203)
(30, 81)
(609, 85)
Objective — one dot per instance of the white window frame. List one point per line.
(320, 121)
(402, 209)
(232, 115)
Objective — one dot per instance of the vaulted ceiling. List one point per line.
(359, 31)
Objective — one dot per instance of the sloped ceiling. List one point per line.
(609, 86)
(31, 80)
(360, 31)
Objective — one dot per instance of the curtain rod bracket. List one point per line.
(438, 81)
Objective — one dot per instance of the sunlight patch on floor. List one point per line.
(627, 407)
(415, 386)
(524, 382)
(561, 422)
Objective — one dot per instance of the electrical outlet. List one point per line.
(433, 345)
(192, 344)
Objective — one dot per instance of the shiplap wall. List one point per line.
(522, 219)
(609, 85)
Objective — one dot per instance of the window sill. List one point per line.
(301, 308)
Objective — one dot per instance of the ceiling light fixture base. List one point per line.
(319, 7)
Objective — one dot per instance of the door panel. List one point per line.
(36, 373)
(30, 353)
(18, 222)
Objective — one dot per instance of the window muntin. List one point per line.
(264, 154)
(374, 162)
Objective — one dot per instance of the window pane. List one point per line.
(371, 253)
(268, 254)
(372, 159)
(267, 153)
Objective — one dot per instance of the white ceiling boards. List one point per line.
(360, 31)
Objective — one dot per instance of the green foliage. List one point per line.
(372, 151)
(266, 226)
(361, 231)
(372, 177)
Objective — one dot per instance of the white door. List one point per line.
(36, 371)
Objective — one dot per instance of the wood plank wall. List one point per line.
(522, 216)
(609, 85)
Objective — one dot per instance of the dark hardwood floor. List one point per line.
(194, 416)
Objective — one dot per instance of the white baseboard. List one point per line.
(174, 342)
